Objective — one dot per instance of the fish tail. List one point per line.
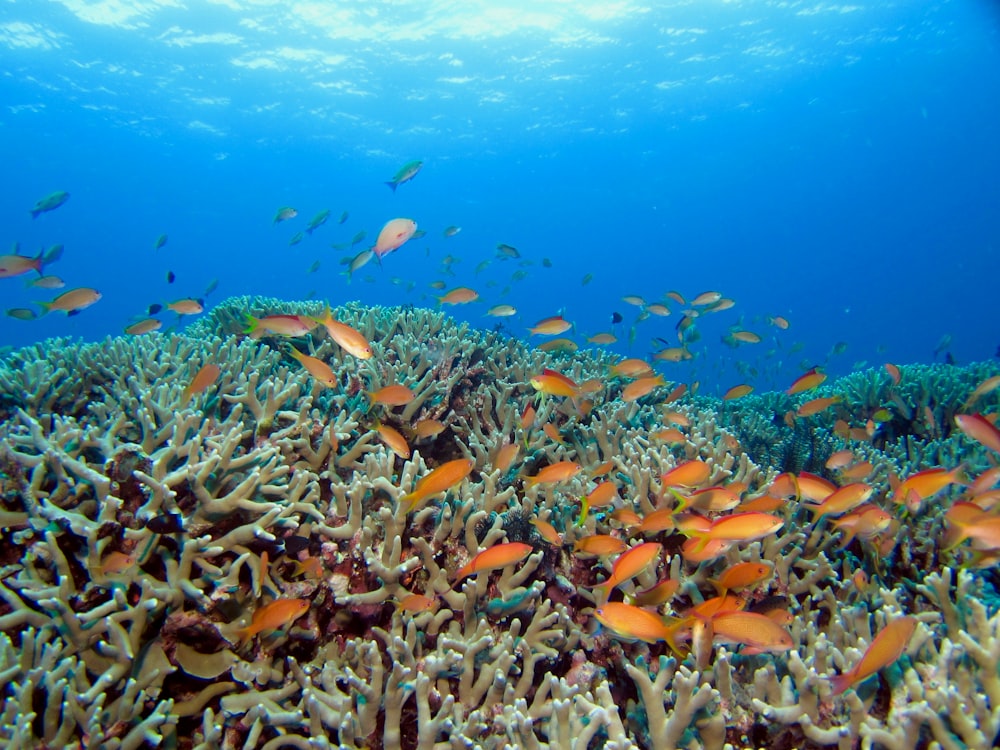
(841, 682)
(251, 324)
(719, 588)
(584, 511)
(682, 502)
(46, 307)
(673, 628)
(392, 184)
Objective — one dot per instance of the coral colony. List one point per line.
(210, 541)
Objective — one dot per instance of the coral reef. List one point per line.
(148, 533)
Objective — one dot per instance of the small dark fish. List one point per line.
(22, 313)
(154, 308)
(314, 267)
(587, 279)
(160, 242)
(358, 237)
(296, 238)
(452, 231)
(212, 286)
(507, 251)
(169, 523)
(171, 277)
(343, 217)
(295, 544)
(53, 254)
(50, 202)
(546, 262)
(948, 358)
(616, 317)
(418, 234)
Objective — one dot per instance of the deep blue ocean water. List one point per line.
(835, 164)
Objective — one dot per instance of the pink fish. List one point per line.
(393, 235)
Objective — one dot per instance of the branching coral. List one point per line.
(143, 531)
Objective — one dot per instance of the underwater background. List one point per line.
(556, 375)
(836, 165)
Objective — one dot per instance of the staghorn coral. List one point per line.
(141, 532)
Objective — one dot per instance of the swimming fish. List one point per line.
(405, 173)
(72, 302)
(552, 326)
(350, 340)
(16, 265)
(147, 325)
(441, 479)
(459, 296)
(160, 242)
(291, 326)
(497, 556)
(50, 202)
(316, 367)
(317, 221)
(634, 623)
(560, 471)
(393, 236)
(885, 649)
(284, 214)
(275, 615)
(202, 379)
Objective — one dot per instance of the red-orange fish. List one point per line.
(806, 382)
(392, 395)
(687, 474)
(887, 646)
(979, 429)
(273, 616)
(202, 379)
(497, 556)
(560, 471)
(441, 479)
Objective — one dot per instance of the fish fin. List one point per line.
(841, 682)
(392, 184)
(719, 588)
(584, 511)
(46, 307)
(683, 501)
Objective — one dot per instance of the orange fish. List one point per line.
(548, 532)
(427, 428)
(627, 517)
(201, 380)
(864, 522)
(676, 393)
(737, 391)
(554, 385)
(441, 479)
(815, 488)
(459, 296)
(987, 386)
(350, 340)
(528, 419)
(669, 435)
(675, 417)
(762, 504)
(922, 485)
(746, 337)
(887, 646)
(393, 236)
(842, 500)
(979, 429)
(551, 326)
(552, 432)
(275, 615)
(506, 456)
(559, 345)
(687, 474)
(606, 468)
(706, 298)
(392, 395)
(392, 438)
(497, 556)
(73, 301)
(778, 322)
(630, 564)
(15, 265)
(634, 623)
(969, 521)
(708, 500)
(311, 566)
(894, 373)
(316, 367)
(756, 632)
(672, 354)
(417, 603)
(857, 471)
(631, 368)
(656, 595)
(806, 382)
(117, 563)
(738, 527)
(557, 472)
(601, 545)
(602, 495)
(291, 326)
(639, 388)
(187, 306)
(658, 520)
(840, 459)
(742, 576)
(816, 405)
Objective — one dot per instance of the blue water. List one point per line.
(834, 164)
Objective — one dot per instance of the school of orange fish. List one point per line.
(712, 518)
